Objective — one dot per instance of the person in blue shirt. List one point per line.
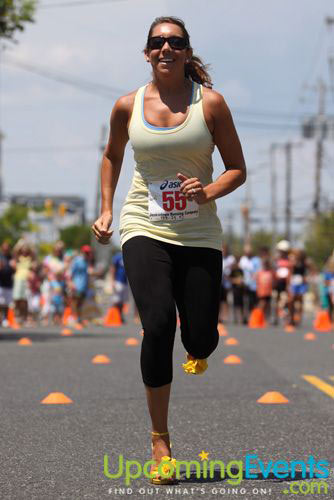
(120, 283)
(57, 286)
(79, 279)
(329, 285)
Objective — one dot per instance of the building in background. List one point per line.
(50, 214)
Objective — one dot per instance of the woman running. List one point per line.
(171, 236)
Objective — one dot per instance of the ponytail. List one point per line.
(197, 71)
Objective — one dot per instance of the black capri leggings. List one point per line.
(161, 274)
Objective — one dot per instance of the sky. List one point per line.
(262, 54)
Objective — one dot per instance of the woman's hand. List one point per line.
(193, 189)
(101, 228)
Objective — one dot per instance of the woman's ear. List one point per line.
(147, 57)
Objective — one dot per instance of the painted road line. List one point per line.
(320, 384)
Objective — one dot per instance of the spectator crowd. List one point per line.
(39, 289)
(276, 283)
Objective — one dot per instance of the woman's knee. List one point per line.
(202, 345)
(157, 362)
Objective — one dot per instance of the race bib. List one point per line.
(167, 203)
(282, 272)
(297, 279)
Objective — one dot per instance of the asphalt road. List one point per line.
(57, 451)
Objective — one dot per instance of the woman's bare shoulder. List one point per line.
(123, 107)
(126, 102)
(214, 107)
(214, 99)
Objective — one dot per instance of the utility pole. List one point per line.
(273, 188)
(320, 134)
(288, 172)
(288, 187)
(330, 26)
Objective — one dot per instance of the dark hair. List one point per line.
(195, 69)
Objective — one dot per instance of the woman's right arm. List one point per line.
(111, 166)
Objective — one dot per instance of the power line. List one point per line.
(76, 3)
(47, 149)
(106, 91)
(95, 88)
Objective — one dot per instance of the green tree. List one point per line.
(76, 236)
(319, 241)
(13, 15)
(261, 238)
(14, 223)
(45, 249)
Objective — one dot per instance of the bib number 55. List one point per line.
(173, 200)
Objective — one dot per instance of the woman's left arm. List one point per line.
(227, 141)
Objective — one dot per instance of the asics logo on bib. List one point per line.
(171, 184)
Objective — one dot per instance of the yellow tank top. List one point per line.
(154, 207)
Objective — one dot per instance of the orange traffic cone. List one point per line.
(310, 336)
(24, 341)
(113, 317)
(322, 321)
(102, 359)
(131, 341)
(11, 318)
(56, 398)
(66, 331)
(272, 397)
(68, 313)
(257, 319)
(232, 359)
(231, 341)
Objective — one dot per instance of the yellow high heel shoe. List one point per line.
(194, 366)
(156, 477)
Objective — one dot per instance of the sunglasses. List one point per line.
(175, 42)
